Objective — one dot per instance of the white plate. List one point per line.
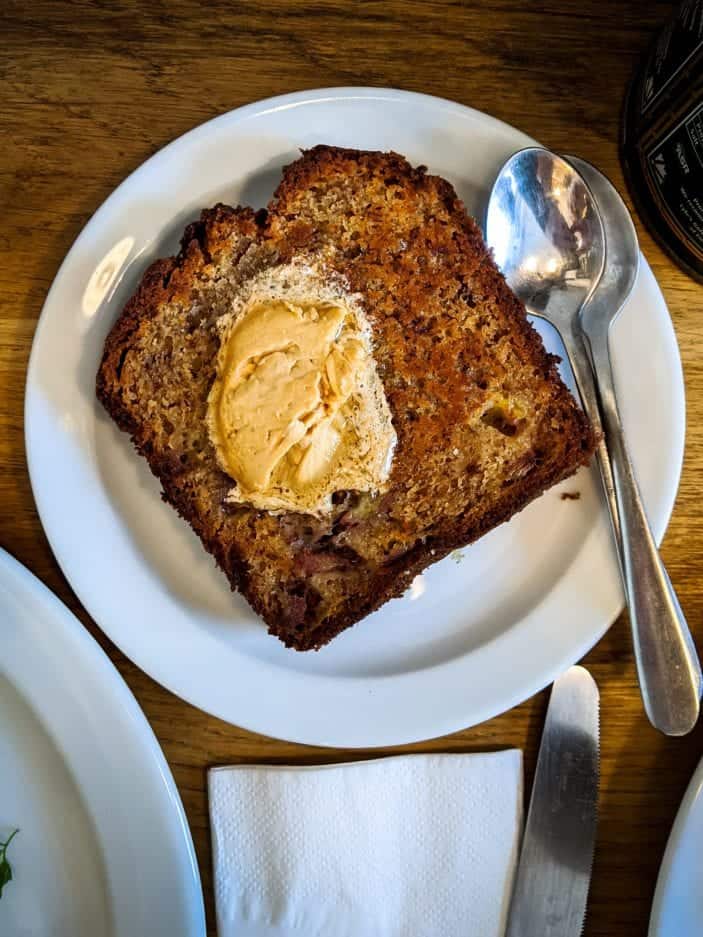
(104, 847)
(476, 636)
(678, 900)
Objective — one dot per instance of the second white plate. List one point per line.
(104, 848)
(479, 632)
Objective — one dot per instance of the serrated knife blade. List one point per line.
(554, 870)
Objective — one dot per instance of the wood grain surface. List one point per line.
(90, 90)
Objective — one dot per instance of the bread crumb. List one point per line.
(570, 495)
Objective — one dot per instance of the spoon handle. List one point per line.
(668, 668)
(585, 381)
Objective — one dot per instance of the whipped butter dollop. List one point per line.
(297, 410)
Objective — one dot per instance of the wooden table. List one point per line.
(90, 90)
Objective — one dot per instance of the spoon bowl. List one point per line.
(622, 250)
(546, 234)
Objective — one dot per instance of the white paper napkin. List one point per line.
(412, 846)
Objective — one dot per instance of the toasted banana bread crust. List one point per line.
(484, 424)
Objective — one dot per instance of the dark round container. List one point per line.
(662, 138)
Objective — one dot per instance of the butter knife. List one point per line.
(554, 870)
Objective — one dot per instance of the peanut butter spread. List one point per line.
(297, 410)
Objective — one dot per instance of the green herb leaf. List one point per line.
(5, 867)
(5, 874)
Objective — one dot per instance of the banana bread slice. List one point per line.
(483, 422)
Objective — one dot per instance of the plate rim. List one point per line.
(317, 735)
(69, 632)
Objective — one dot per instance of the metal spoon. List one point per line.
(667, 664)
(547, 237)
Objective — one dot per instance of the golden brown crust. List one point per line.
(484, 424)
